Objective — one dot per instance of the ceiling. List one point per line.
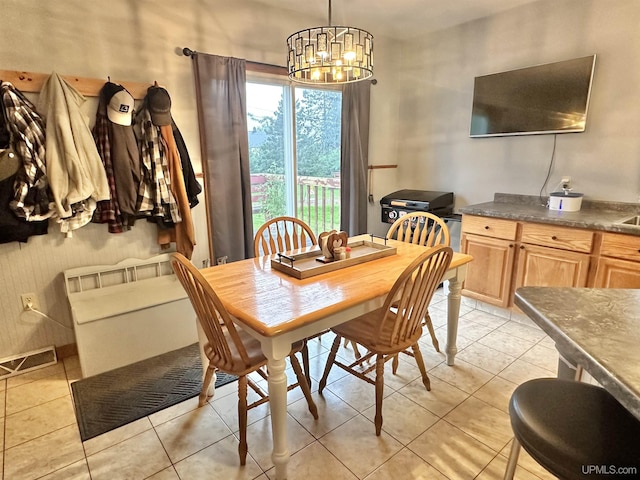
(401, 19)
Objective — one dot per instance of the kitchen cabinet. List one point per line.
(509, 254)
(619, 262)
(491, 242)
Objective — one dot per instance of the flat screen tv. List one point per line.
(550, 98)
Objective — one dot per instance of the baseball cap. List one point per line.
(120, 107)
(159, 104)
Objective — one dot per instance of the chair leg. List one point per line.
(427, 322)
(379, 392)
(202, 399)
(304, 385)
(330, 360)
(512, 463)
(305, 364)
(420, 361)
(242, 418)
(394, 363)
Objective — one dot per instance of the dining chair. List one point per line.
(281, 234)
(230, 349)
(394, 327)
(428, 230)
(574, 430)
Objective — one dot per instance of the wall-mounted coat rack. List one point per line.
(32, 82)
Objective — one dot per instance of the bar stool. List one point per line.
(574, 430)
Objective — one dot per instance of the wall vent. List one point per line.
(25, 362)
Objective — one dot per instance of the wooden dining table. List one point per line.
(279, 309)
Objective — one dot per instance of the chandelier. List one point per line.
(330, 54)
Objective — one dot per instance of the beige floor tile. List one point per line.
(356, 392)
(109, 439)
(431, 357)
(220, 461)
(260, 443)
(37, 392)
(525, 332)
(485, 318)
(2, 403)
(473, 330)
(547, 342)
(166, 474)
(462, 375)
(123, 460)
(40, 420)
(520, 371)
(43, 455)
(438, 313)
(497, 392)
(542, 356)
(407, 372)
(332, 412)
(227, 408)
(316, 370)
(356, 445)
(75, 471)
(527, 463)
(495, 470)
(452, 452)
(483, 422)
(174, 411)
(506, 343)
(71, 363)
(493, 310)
(32, 376)
(315, 462)
(442, 398)
(402, 418)
(461, 340)
(485, 357)
(406, 465)
(191, 432)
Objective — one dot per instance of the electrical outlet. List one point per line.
(566, 182)
(29, 300)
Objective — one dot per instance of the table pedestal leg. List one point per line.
(453, 313)
(278, 401)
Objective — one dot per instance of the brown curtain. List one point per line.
(354, 153)
(222, 112)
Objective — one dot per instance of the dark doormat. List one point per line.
(111, 399)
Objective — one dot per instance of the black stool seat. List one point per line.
(575, 430)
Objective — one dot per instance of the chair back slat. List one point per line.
(408, 300)
(216, 322)
(420, 228)
(281, 234)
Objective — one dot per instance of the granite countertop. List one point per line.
(599, 328)
(594, 215)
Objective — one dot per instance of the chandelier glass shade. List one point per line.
(330, 54)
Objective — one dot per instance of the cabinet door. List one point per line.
(614, 273)
(489, 274)
(549, 267)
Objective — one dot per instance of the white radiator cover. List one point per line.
(128, 312)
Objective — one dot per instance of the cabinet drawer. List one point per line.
(491, 227)
(557, 237)
(621, 246)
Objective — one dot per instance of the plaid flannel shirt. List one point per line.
(154, 195)
(32, 194)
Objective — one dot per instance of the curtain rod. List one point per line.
(252, 66)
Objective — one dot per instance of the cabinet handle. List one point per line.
(486, 227)
(511, 245)
(521, 247)
(554, 238)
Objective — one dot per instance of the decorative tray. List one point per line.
(308, 264)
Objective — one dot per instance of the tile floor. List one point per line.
(459, 430)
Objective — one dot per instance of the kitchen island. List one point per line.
(598, 328)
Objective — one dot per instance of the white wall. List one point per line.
(136, 40)
(436, 152)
